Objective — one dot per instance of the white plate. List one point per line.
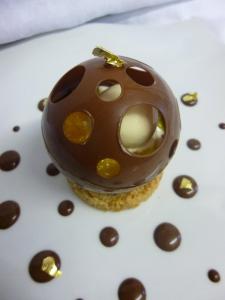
(188, 56)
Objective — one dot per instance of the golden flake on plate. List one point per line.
(190, 98)
(49, 266)
(186, 184)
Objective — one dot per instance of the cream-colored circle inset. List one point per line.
(108, 168)
(140, 75)
(141, 130)
(77, 127)
(109, 90)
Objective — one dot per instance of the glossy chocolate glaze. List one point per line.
(66, 208)
(109, 236)
(9, 160)
(167, 237)
(194, 144)
(9, 213)
(214, 275)
(52, 170)
(35, 266)
(132, 289)
(78, 162)
(182, 191)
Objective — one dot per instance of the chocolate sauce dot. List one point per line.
(109, 236)
(222, 125)
(185, 186)
(9, 213)
(52, 170)
(41, 104)
(213, 275)
(167, 237)
(9, 160)
(131, 289)
(36, 263)
(16, 128)
(194, 144)
(66, 208)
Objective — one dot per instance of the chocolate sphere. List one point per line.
(108, 128)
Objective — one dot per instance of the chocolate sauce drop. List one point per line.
(185, 186)
(194, 144)
(109, 236)
(131, 289)
(41, 104)
(222, 125)
(16, 128)
(52, 170)
(36, 263)
(66, 208)
(214, 275)
(167, 237)
(9, 160)
(9, 213)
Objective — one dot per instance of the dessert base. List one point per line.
(117, 202)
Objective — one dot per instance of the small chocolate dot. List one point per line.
(167, 237)
(16, 128)
(185, 186)
(35, 266)
(132, 289)
(41, 104)
(52, 170)
(194, 144)
(109, 236)
(213, 275)
(222, 125)
(9, 213)
(66, 208)
(9, 160)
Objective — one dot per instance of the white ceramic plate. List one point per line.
(188, 56)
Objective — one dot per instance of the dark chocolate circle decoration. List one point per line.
(222, 125)
(67, 84)
(132, 289)
(66, 208)
(140, 75)
(214, 275)
(9, 213)
(52, 170)
(9, 160)
(185, 186)
(167, 237)
(109, 236)
(36, 266)
(194, 144)
(16, 128)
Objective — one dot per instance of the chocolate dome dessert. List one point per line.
(111, 124)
